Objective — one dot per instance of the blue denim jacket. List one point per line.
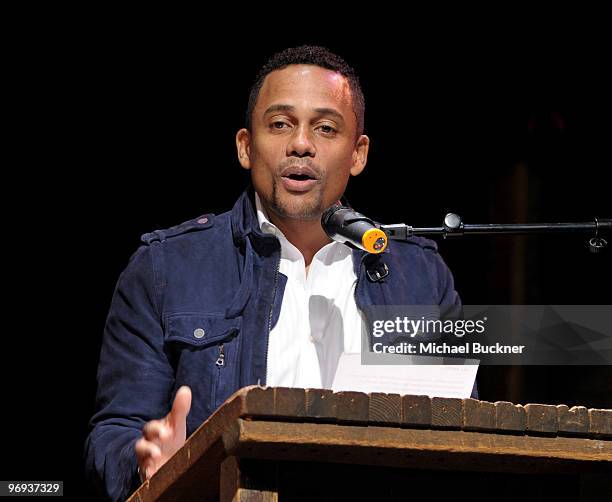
(208, 292)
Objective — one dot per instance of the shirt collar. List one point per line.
(266, 226)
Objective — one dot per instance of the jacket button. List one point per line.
(199, 333)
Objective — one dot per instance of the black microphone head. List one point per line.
(329, 212)
(344, 224)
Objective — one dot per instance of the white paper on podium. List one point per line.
(433, 380)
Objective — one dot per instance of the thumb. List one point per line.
(180, 407)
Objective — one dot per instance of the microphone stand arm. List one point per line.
(453, 226)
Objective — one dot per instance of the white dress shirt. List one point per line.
(319, 319)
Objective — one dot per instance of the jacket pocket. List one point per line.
(204, 350)
(201, 330)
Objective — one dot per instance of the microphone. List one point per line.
(343, 224)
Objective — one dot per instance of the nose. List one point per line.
(300, 143)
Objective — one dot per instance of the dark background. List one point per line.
(122, 131)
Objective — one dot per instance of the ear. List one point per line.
(360, 155)
(243, 148)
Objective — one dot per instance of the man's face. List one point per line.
(303, 145)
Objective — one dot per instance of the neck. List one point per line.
(306, 235)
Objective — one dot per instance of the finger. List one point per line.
(156, 431)
(149, 468)
(181, 406)
(146, 452)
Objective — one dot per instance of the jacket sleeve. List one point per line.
(449, 299)
(135, 379)
(447, 295)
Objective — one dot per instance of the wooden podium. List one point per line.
(267, 444)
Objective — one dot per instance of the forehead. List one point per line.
(305, 86)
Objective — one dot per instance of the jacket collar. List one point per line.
(243, 217)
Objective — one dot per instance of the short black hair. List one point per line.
(312, 55)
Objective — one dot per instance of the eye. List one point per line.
(278, 125)
(327, 129)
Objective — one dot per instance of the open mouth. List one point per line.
(299, 177)
(299, 182)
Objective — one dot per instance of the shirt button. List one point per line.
(311, 338)
(199, 333)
